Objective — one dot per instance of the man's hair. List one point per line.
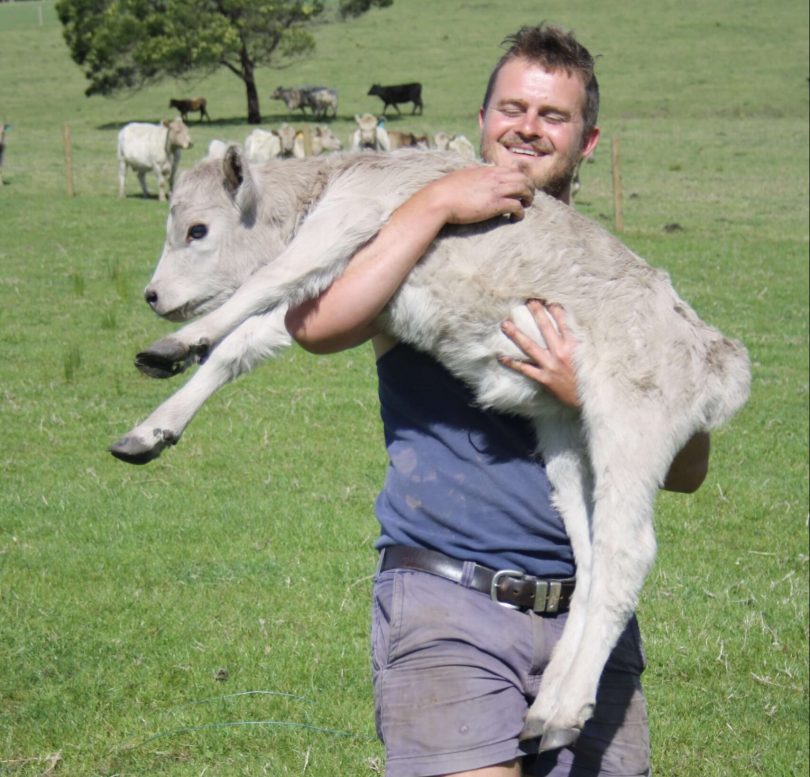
(554, 49)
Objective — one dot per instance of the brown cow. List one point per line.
(185, 106)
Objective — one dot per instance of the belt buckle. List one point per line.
(515, 574)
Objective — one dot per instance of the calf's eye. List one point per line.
(197, 232)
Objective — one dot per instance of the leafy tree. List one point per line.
(128, 44)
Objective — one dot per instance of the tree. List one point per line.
(128, 44)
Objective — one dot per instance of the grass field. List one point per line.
(208, 613)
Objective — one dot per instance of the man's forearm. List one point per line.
(344, 315)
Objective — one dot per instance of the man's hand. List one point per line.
(551, 367)
(475, 194)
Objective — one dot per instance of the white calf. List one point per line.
(370, 134)
(650, 373)
(151, 148)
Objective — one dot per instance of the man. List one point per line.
(465, 496)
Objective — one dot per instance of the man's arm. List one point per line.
(552, 367)
(344, 315)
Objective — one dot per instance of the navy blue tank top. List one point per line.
(462, 480)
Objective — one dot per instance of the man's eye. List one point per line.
(197, 232)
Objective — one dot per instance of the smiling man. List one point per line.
(456, 661)
(540, 118)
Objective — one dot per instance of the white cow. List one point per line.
(321, 139)
(151, 148)
(650, 373)
(370, 134)
(458, 143)
(262, 145)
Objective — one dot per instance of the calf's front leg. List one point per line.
(258, 339)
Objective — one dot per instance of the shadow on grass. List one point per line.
(267, 118)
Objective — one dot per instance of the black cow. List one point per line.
(402, 93)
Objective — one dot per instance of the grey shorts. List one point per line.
(455, 672)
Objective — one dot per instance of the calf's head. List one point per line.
(221, 228)
(179, 135)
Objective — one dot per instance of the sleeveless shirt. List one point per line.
(463, 480)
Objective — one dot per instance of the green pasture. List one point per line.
(207, 614)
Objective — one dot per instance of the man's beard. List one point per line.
(559, 183)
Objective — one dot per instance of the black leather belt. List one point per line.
(506, 586)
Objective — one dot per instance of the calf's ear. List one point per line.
(239, 183)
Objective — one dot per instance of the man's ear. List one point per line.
(481, 112)
(589, 143)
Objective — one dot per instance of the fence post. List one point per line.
(68, 158)
(616, 160)
(307, 141)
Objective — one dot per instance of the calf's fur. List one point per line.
(245, 242)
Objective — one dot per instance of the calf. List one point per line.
(151, 148)
(402, 93)
(186, 106)
(370, 134)
(263, 145)
(321, 100)
(321, 139)
(650, 373)
(400, 139)
(458, 143)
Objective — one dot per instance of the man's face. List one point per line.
(534, 121)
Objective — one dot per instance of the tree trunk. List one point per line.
(248, 76)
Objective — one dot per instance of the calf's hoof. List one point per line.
(133, 450)
(167, 358)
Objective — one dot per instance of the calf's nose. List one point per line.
(151, 297)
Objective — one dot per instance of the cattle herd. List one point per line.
(156, 148)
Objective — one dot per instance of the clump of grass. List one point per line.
(118, 277)
(77, 280)
(72, 362)
(108, 320)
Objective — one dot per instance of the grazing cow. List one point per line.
(370, 134)
(650, 373)
(321, 100)
(400, 139)
(3, 129)
(151, 148)
(402, 93)
(186, 106)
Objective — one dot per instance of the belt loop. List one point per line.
(540, 596)
(553, 598)
(380, 563)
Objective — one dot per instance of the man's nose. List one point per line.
(530, 126)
